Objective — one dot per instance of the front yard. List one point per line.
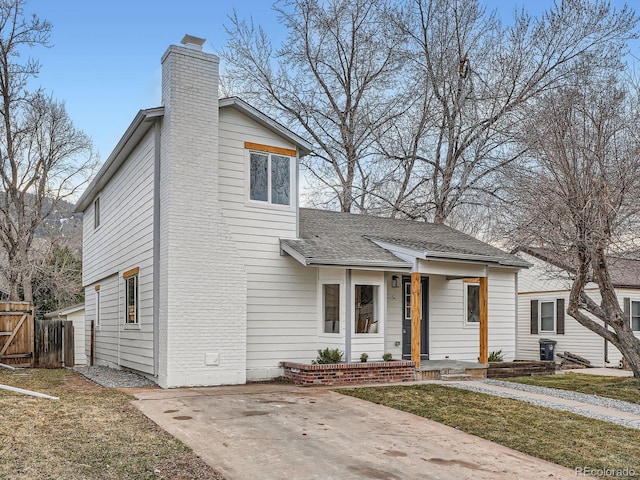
(89, 433)
(560, 437)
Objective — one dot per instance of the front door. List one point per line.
(406, 319)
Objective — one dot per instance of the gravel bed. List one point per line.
(113, 378)
(557, 393)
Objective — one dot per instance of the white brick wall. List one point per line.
(203, 282)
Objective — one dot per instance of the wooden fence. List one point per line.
(54, 346)
(16, 334)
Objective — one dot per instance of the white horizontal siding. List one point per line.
(543, 282)
(123, 240)
(449, 335)
(282, 297)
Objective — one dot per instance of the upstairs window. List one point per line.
(96, 213)
(270, 174)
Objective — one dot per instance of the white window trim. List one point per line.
(555, 319)
(465, 294)
(380, 310)
(97, 220)
(631, 302)
(293, 192)
(341, 300)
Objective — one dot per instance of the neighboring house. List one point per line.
(201, 269)
(543, 292)
(75, 314)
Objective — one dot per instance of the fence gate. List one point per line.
(53, 344)
(16, 334)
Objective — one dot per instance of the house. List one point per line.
(543, 295)
(201, 269)
(74, 314)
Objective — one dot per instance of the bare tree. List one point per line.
(577, 196)
(473, 79)
(332, 75)
(43, 157)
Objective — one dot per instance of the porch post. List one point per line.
(484, 320)
(416, 315)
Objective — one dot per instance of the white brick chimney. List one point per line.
(203, 285)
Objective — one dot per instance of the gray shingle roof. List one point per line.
(624, 272)
(335, 238)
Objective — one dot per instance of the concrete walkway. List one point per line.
(287, 432)
(582, 408)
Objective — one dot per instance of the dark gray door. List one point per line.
(406, 319)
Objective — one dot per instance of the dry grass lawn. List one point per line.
(620, 388)
(560, 437)
(89, 433)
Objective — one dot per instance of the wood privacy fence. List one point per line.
(53, 344)
(16, 334)
(28, 343)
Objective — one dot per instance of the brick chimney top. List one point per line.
(194, 43)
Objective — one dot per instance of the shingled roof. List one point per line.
(624, 272)
(345, 239)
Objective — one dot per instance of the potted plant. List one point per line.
(364, 357)
(387, 357)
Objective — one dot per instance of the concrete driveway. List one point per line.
(288, 432)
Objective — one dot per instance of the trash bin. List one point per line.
(547, 347)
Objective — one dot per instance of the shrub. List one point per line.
(496, 356)
(328, 355)
(386, 357)
(363, 357)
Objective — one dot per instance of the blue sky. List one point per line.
(105, 59)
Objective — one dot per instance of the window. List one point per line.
(635, 316)
(547, 316)
(97, 306)
(96, 213)
(270, 178)
(331, 307)
(472, 302)
(131, 294)
(366, 298)
(407, 301)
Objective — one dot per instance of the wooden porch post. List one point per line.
(416, 315)
(484, 320)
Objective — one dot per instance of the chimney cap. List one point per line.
(192, 42)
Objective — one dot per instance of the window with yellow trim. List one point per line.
(270, 178)
(131, 304)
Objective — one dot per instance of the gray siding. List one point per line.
(123, 240)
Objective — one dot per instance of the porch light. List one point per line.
(394, 281)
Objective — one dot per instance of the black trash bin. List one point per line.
(547, 347)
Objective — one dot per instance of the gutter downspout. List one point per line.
(156, 248)
(347, 320)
